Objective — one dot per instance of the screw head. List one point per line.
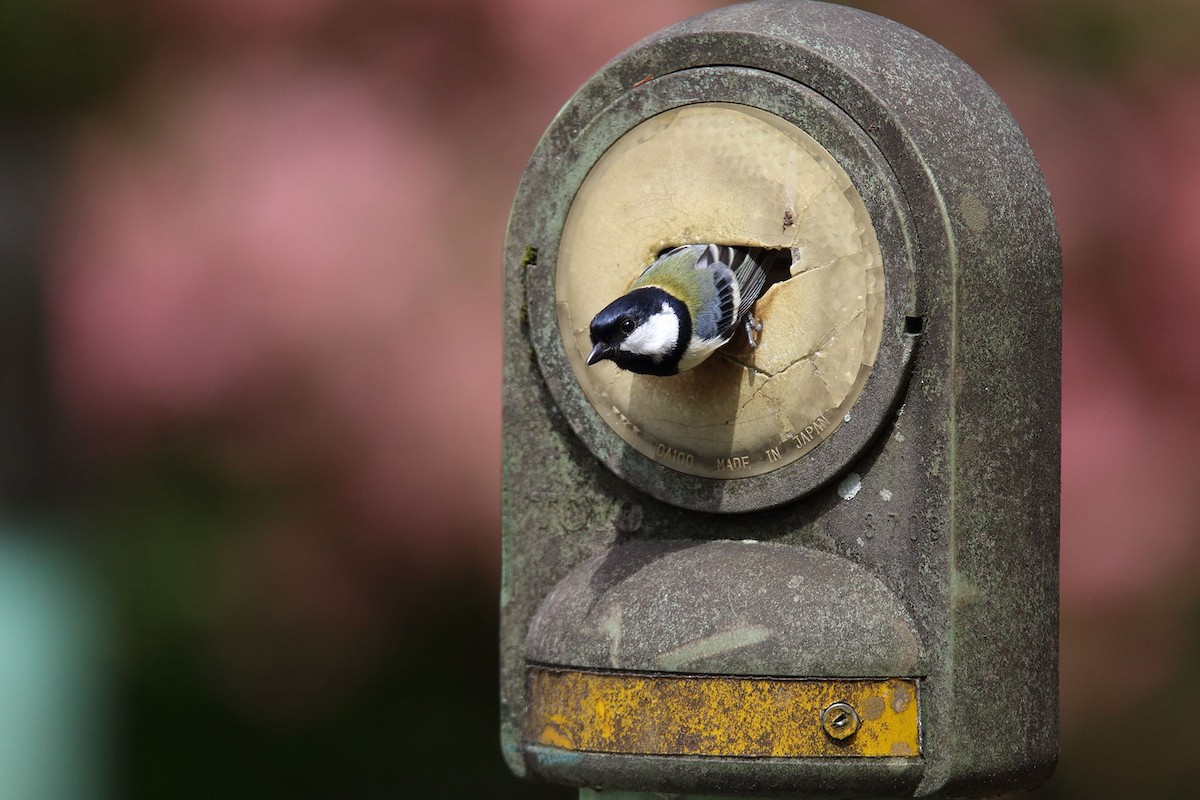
(840, 721)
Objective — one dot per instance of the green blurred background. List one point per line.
(250, 376)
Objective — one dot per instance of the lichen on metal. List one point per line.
(710, 715)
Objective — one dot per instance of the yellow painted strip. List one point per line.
(711, 715)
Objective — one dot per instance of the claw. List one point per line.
(753, 326)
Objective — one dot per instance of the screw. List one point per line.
(840, 721)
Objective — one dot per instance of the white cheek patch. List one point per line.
(656, 337)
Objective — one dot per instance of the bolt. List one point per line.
(840, 721)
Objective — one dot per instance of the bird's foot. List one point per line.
(753, 327)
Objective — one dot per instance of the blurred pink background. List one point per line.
(275, 265)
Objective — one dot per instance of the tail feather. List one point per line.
(750, 269)
(748, 266)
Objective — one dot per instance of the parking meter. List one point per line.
(827, 564)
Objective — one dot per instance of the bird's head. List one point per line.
(645, 331)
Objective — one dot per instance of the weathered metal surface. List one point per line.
(950, 495)
(734, 608)
(657, 714)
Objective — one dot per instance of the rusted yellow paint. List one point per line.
(712, 715)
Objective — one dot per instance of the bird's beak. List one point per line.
(599, 352)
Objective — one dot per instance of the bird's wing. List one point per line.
(749, 267)
(723, 315)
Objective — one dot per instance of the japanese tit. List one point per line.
(681, 309)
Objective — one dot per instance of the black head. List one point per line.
(644, 331)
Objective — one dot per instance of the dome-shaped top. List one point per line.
(741, 608)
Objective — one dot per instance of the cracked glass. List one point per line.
(728, 174)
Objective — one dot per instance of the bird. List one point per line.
(686, 304)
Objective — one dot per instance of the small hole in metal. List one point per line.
(913, 325)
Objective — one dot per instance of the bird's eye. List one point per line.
(628, 326)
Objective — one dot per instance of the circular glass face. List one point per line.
(728, 174)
